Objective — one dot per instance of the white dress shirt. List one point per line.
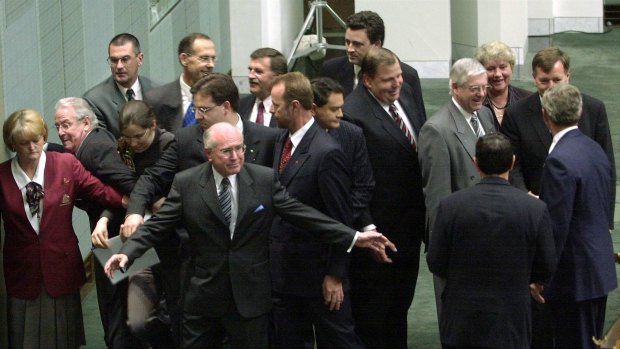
(234, 197)
(186, 94)
(559, 136)
(266, 107)
(22, 179)
(137, 90)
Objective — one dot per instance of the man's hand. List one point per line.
(125, 201)
(332, 291)
(536, 291)
(115, 262)
(132, 222)
(99, 236)
(157, 204)
(377, 242)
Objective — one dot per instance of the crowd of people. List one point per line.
(294, 217)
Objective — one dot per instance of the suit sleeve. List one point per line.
(92, 188)
(510, 129)
(544, 263)
(438, 255)
(602, 136)
(105, 163)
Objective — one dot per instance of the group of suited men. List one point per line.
(358, 148)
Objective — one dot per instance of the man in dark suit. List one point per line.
(228, 208)
(386, 110)
(265, 65)
(523, 124)
(365, 29)
(329, 99)
(310, 278)
(489, 242)
(172, 102)
(576, 186)
(95, 147)
(108, 97)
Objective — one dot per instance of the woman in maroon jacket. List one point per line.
(43, 266)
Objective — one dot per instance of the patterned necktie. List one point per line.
(401, 124)
(286, 153)
(130, 95)
(474, 124)
(190, 116)
(224, 198)
(34, 194)
(260, 118)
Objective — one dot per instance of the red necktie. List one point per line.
(260, 119)
(286, 153)
(401, 124)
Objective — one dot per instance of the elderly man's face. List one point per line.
(471, 95)
(543, 80)
(71, 131)
(386, 83)
(124, 64)
(227, 155)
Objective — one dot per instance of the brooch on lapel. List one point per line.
(66, 181)
(66, 200)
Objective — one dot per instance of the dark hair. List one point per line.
(296, 87)
(375, 57)
(322, 88)
(135, 113)
(220, 87)
(187, 43)
(277, 61)
(123, 38)
(494, 153)
(546, 58)
(371, 22)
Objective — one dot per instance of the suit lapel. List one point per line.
(410, 110)
(463, 131)
(299, 157)
(208, 193)
(247, 203)
(118, 99)
(387, 122)
(486, 120)
(536, 118)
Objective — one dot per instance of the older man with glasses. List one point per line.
(108, 97)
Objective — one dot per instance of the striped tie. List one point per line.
(475, 125)
(401, 124)
(224, 199)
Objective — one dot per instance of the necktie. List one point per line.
(401, 124)
(130, 95)
(224, 198)
(260, 118)
(474, 124)
(34, 193)
(286, 153)
(190, 116)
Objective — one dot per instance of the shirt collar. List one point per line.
(137, 91)
(217, 177)
(466, 114)
(559, 136)
(266, 103)
(186, 92)
(299, 134)
(22, 179)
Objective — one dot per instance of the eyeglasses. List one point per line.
(239, 149)
(114, 60)
(203, 59)
(202, 110)
(478, 88)
(136, 137)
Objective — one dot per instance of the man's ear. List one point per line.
(208, 153)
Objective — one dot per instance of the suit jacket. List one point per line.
(52, 258)
(229, 270)
(342, 71)
(107, 100)
(490, 242)
(523, 124)
(187, 150)
(576, 185)
(397, 205)
(446, 150)
(167, 104)
(353, 144)
(245, 109)
(317, 176)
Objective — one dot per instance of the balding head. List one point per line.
(224, 147)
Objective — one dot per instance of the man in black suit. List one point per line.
(310, 278)
(172, 102)
(108, 97)
(329, 99)
(365, 29)
(386, 110)
(228, 208)
(265, 65)
(489, 242)
(95, 147)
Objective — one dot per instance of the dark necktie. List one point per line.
(260, 118)
(190, 116)
(34, 194)
(130, 95)
(401, 124)
(474, 124)
(224, 198)
(286, 153)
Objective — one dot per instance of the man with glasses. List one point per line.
(172, 103)
(107, 98)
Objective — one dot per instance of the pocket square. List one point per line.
(259, 208)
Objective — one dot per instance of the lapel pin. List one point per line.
(65, 180)
(66, 199)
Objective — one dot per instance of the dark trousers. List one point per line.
(575, 323)
(381, 295)
(295, 318)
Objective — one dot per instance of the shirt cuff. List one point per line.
(369, 227)
(357, 234)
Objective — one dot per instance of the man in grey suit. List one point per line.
(447, 143)
(228, 208)
(108, 97)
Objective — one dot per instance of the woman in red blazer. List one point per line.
(43, 266)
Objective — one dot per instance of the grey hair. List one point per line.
(463, 69)
(207, 137)
(81, 107)
(563, 104)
